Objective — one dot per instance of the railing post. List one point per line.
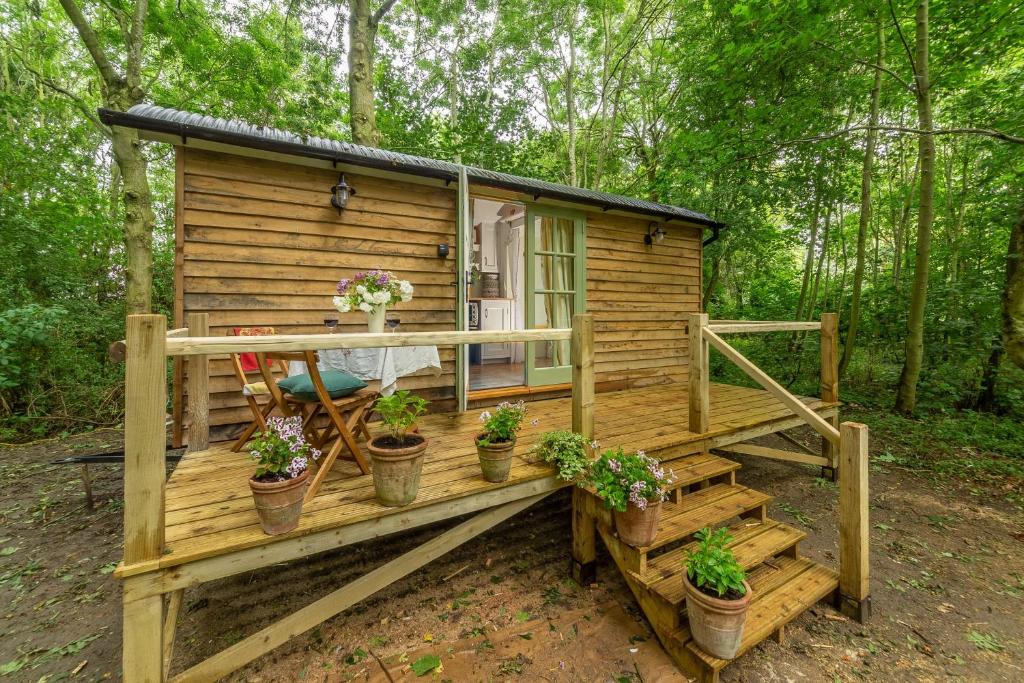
(198, 387)
(584, 531)
(145, 443)
(830, 384)
(854, 558)
(700, 386)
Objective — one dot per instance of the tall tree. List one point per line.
(906, 389)
(865, 202)
(122, 89)
(363, 22)
(1013, 294)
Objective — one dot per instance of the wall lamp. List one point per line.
(340, 193)
(655, 233)
(443, 250)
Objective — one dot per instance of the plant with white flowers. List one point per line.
(371, 289)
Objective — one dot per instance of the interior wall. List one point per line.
(261, 245)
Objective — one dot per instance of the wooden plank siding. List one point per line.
(259, 244)
(262, 245)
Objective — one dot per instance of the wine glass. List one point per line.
(392, 321)
(330, 323)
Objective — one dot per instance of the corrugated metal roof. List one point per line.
(192, 125)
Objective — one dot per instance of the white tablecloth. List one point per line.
(387, 364)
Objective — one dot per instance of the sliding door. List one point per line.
(556, 284)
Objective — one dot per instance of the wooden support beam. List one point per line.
(799, 444)
(773, 387)
(145, 441)
(830, 383)
(272, 636)
(117, 351)
(854, 528)
(774, 453)
(142, 639)
(170, 627)
(198, 388)
(584, 531)
(700, 380)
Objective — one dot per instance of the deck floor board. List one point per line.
(209, 508)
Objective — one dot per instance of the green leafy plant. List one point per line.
(568, 452)
(621, 479)
(712, 566)
(400, 411)
(501, 425)
(281, 451)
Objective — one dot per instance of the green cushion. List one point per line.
(337, 383)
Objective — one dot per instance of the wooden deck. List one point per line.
(209, 511)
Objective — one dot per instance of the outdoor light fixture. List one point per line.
(340, 193)
(655, 233)
(442, 250)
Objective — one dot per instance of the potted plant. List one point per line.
(398, 455)
(372, 292)
(717, 594)
(568, 451)
(279, 484)
(633, 486)
(495, 444)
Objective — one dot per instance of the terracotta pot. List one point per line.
(638, 527)
(279, 503)
(396, 472)
(496, 459)
(716, 624)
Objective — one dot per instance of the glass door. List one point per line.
(555, 287)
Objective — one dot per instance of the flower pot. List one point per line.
(715, 623)
(638, 527)
(376, 318)
(279, 503)
(396, 471)
(496, 459)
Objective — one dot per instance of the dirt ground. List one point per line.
(947, 591)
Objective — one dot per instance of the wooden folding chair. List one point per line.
(252, 389)
(346, 416)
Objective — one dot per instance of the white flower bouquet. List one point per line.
(371, 290)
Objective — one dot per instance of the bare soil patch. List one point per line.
(947, 591)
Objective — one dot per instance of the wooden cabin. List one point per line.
(586, 303)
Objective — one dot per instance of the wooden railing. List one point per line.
(844, 446)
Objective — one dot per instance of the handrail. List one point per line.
(191, 346)
(774, 388)
(737, 327)
(116, 350)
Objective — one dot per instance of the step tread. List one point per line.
(782, 591)
(753, 543)
(707, 507)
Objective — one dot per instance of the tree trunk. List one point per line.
(865, 207)
(809, 260)
(1013, 295)
(139, 219)
(362, 35)
(906, 390)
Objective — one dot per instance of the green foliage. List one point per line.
(501, 425)
(281, 452)
(713, 566)
(399, 411)
(622, 479)
(425, 664)
(26, 334)
(568, 452)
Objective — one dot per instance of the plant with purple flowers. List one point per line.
(368, 290)
(635, 479)
(281, 451)
(501, 425)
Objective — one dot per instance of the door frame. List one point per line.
(556, 375)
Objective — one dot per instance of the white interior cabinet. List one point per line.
(496, 314)
(488, 248)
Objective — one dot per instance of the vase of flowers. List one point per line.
(633, 486)
(372, 292)
(398, 455)
(279, 484)
(496, 443)
(717, 594)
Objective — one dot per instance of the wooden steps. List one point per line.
(784, 585)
